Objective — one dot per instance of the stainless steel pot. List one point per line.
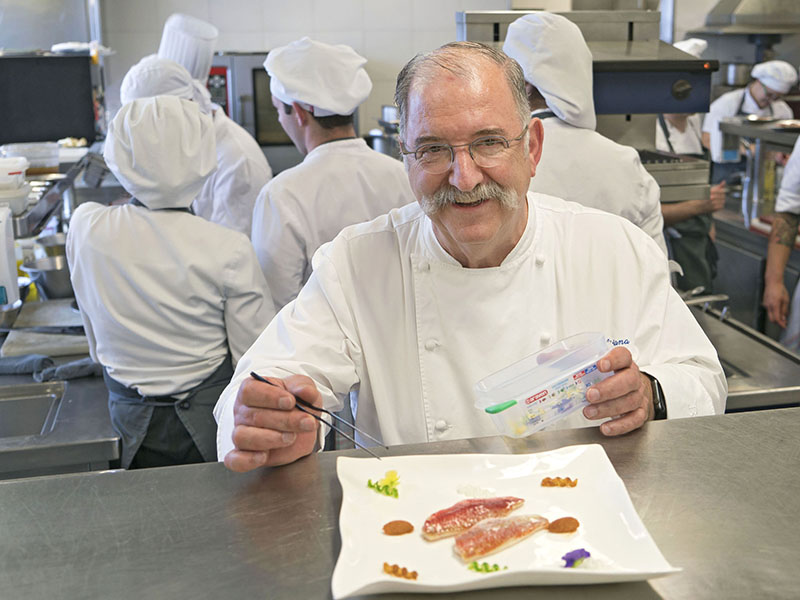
(51, 276)
(54, 245)
(736, 73)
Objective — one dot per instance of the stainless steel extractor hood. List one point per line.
(737, 17)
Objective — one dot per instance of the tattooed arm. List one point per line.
(781, 242)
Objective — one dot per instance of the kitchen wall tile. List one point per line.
(129, 49)
(387, 15)
(273, 39)
(428, 15)
(341, 15)
(424, 41)
(126, 16)
(243, 41)
(354, 39)
(484, 5)
(283, 15)
(237, 15)
(387, 52)
(196, 8)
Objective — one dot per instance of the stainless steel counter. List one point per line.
(81, 438)
(718, 495)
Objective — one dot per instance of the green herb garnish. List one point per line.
(484, 567)
(387, 485)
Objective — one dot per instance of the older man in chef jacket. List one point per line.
(405, 313)
(170, 302)
(316, 88)
(230, 192)
(578, 164)
(762, 97)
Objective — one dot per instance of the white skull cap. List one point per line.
(693, 46)
(556, 60)
(329, 78)
(154, 76)
(161, 149)
(190, 42)
(776, 75)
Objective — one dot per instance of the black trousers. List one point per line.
(167, 442)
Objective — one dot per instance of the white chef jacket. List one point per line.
(391, 316)
(582, 166)
(164, 295)
(789, 195)
(688, 141)
(338, 183)
(228, 196)
(727, 106)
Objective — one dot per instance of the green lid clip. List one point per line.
(496, 408)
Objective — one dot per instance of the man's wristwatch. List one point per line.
(659, 402)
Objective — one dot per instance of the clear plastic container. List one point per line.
(544, 387)
(12, 172)
(42, 156)
(16, 199)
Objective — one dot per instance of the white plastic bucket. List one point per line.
(12, 172)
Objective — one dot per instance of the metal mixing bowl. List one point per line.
(54, 245)
(51, 276)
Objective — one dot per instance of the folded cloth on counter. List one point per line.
(27, 363)
(84, 367)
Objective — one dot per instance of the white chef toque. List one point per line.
(190, 42)
(556, 60)
(154, 76)
(161, 149)
(693, 46)
(329, 78)
(776, 75)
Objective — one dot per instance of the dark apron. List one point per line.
(135, 420)
(689, 242)
(723, 171)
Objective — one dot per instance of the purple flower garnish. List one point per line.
(575, 558)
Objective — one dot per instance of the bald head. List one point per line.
(464, 60)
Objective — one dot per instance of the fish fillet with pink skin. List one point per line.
(492, 535)
(463, 515)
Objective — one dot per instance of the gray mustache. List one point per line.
(448, 194)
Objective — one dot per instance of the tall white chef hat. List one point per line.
(190, 42)
(776, 75)
(556, 60)
(693, 46)
(331, 79)
(154, 76)
(161, 149)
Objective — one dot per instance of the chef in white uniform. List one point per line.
(578, 164)
(190, 42)
(771, 80)
(316, 88)
(405, 313)
(781, 243)
(230, 192)
(169, 301)
(689, 226)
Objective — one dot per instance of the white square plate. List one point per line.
(610, 529)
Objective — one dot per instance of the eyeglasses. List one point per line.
(769, 94)
(488, 151)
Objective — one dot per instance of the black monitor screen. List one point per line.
(45, 98)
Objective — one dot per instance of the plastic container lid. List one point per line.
(39, 154)
(544, 387)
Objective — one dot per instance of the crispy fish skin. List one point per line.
(493, 535)
(463, 515)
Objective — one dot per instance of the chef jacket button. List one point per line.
(431, 345)
(441, 425)
(545, 337)
(424, 266)
(539, 260)
(184, 405)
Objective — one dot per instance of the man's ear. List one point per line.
(300, 115)
(535, 141)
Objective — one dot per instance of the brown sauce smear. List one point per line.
(563, 525)
(397, 528)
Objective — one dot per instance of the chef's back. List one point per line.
(169, 300)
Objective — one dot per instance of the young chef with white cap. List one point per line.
(316, 88)
(688, 223)
(405, 313)
(169, 301)
(578, 164)
(761, 97)
(230, 192)
(781, 244)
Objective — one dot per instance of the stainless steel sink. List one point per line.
(29, 409)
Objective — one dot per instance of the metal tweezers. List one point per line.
(300, 404)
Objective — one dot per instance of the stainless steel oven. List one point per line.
(239, 83)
